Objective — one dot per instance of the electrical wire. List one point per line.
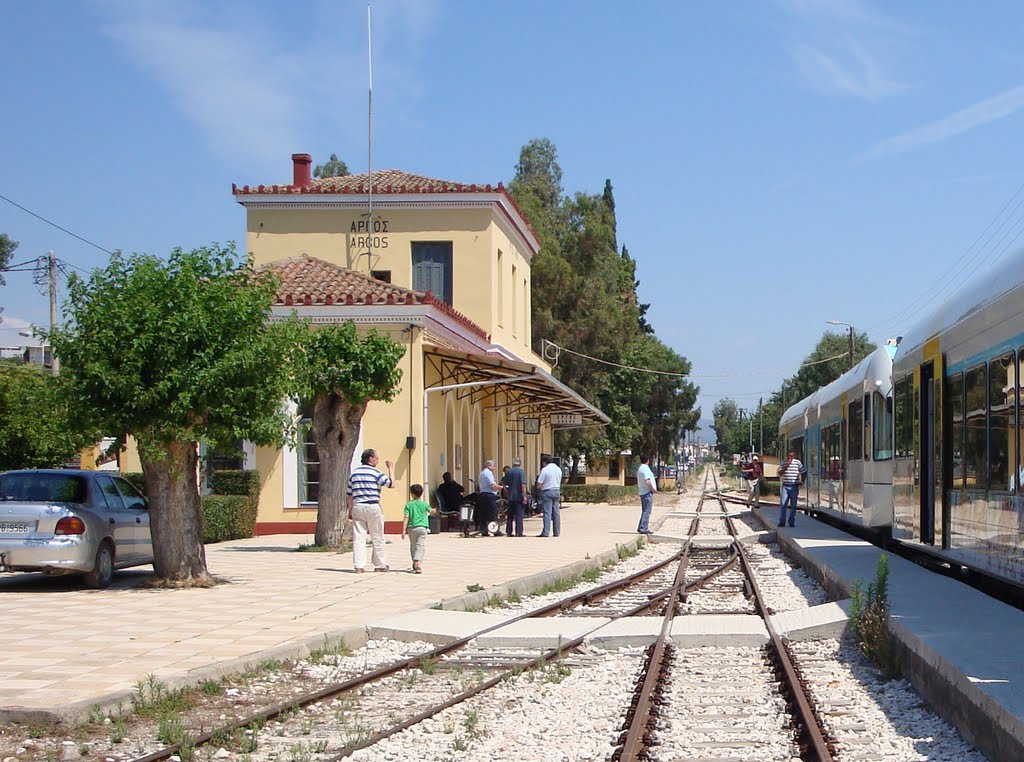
(54, 224)
(949, 278)
(689, 375)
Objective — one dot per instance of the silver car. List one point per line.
(72, 522)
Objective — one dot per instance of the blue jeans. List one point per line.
(549, 503)
(646, 504)
(790, 492)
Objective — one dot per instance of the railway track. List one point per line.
(699, 702)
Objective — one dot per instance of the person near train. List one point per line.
(646, 486)
(514, 484)
(792, 473)
(549, 487)
(487, 498)
(753, 472)
(416, 523)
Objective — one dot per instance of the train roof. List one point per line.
(991, 285)
(875, 369)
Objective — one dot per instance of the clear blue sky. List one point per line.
(775, 164)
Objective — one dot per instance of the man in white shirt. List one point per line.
(646, 486)
(487, 495)
(549, 483)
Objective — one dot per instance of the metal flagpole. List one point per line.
(369, 143)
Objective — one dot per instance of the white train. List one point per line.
(923, 440)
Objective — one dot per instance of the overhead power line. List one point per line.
(54, 224)
(558, 349)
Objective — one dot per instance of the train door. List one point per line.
(928, 447)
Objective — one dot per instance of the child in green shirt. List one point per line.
(416, 520)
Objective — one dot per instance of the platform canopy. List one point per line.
(523, 390)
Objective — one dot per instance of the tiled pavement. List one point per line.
(63, 648)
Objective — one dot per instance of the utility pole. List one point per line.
(851, 347)
(51, 273)
(760, 425)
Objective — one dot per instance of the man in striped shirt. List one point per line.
(792, 473)
(364, 485)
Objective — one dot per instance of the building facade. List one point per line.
(442, 268)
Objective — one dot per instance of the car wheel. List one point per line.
(102, 569)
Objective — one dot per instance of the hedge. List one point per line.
(229, 513)
(593, 493)
(228, 517)
(235, 483)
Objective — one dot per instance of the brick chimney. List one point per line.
(301, 177)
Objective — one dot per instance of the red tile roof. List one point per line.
(384, 181)
(306, 281)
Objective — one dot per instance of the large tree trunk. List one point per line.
(336, 431)
(175, 515)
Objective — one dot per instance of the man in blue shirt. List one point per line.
(646, 487)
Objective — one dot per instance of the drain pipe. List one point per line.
(426, 409)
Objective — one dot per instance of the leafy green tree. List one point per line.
(340, 373)
(7, 247)
(726, 417)
(173, 352)
(585, 299)
(34, 428)
(333, 167)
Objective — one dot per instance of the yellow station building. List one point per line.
(442, 268)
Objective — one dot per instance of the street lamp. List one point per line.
(840, 322)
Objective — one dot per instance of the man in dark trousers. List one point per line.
(514, 484)
(792, 473)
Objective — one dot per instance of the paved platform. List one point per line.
(64, 649)
(961, 648)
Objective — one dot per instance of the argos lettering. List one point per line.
(367, 234)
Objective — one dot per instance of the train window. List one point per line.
(904, 418)
(1019, 439)
(976, 434)
(881, 429)
(956, 404)
(867, 426)
(856, 430)
(1001, 422)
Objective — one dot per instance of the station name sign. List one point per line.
(566, 419)
(366, 235)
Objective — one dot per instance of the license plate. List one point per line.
(14, 527)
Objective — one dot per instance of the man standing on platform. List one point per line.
(487, 496)
(792, 473)
(646, 486)
(514, 482)
(364, 485)
(549, 484)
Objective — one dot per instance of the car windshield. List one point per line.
(43, 488)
